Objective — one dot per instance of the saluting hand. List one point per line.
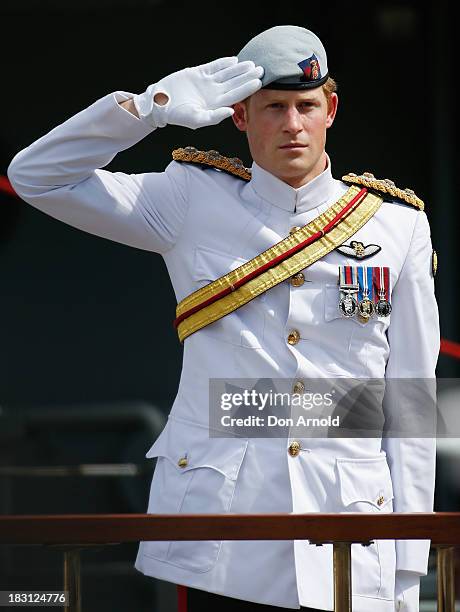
(199, 96)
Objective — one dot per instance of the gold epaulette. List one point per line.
(232, 165)
(385, 187)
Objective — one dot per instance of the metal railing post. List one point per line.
(342, 576)
(445, 578)
(72, 579)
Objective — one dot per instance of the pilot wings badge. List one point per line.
(357, 250)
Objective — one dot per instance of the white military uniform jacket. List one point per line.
(205, 223)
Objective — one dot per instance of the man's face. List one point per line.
(286, 131)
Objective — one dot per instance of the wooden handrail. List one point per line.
(442, 528)
(72, 532)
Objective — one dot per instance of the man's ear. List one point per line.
(240, 115)
(332, 109)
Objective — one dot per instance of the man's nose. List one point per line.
(293, 123)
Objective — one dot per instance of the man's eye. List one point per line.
(301, 105)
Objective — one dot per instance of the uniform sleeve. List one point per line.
(414, 340)
(61, 174)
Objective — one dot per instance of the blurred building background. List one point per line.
(89, 360)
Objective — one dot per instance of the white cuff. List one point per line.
(148, 110)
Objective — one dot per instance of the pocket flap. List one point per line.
(188, 446)
(365, 480)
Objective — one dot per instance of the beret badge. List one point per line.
(310, 68)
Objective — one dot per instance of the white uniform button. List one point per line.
(298, 387)
(298, 279)
(294, 448)
(293, 337)
(294, 229)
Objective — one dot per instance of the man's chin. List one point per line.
(294, 167)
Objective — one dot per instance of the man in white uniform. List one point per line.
(210, 217)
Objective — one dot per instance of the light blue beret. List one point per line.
(292, 57)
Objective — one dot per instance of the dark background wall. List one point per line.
(88, 321)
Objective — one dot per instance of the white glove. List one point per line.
(407, 591)
(201, 95)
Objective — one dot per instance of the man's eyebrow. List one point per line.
(277, 99)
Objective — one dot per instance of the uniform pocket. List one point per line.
(244, 326)
(365, 486)
(194, 474)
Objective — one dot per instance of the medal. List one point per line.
(383, 308)
(349, 287)
(381, 279)
(348, 304)
(364, 291)
(366, 305)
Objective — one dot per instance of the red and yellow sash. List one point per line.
(278, 263)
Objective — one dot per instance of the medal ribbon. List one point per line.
(348, 276)
(365, 277)
(360, 282)
(381, 282)
(365, 282)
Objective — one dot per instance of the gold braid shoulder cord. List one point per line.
(234, 166)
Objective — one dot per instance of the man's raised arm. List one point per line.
(61, 173)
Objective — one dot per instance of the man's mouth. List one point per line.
(293, 145)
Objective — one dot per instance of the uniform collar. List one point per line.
(280, 194)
